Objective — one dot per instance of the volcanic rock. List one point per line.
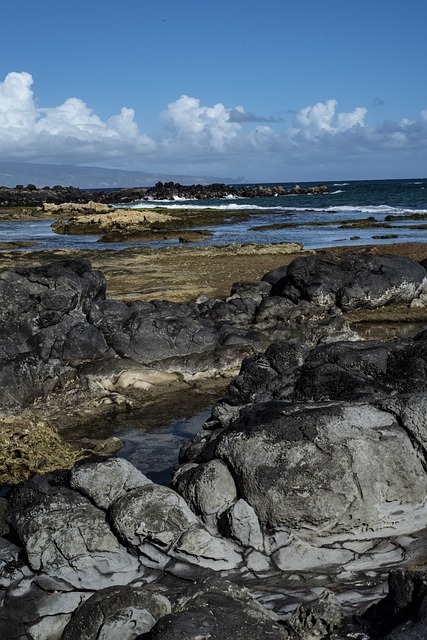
(350, 281)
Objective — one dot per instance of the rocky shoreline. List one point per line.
(309, 475)
(173, 190)
(76, 211)
(31, 196)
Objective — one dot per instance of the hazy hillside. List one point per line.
(41, 175)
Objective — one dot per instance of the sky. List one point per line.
(267, 91)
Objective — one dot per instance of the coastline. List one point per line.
(181, 273)
(124, 366)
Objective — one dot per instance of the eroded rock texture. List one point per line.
(310, 475)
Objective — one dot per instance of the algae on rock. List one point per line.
(32, 446)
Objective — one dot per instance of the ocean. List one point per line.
(323, 220)
(351, 213)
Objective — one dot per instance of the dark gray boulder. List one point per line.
(275, 275)
(255, 290)
(122, 612)
(256, 374)
(25, 377)
(305, 322)
(43, 315)
(149, 332)
(351, 281)
(311, 470)
(402, 614)
(236, 310)
(322, 445)
(83, 343)
(81, 551)
(259, 373)
(216, 609)
(33, 299)
(154, 339)
(335, 370)
(363, 369)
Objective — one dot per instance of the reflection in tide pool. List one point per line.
(386, 331)
(155, 453)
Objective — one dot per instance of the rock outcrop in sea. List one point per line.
(31, 196)
(287, 511)
(173, 190)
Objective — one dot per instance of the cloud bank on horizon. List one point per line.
(322, 142)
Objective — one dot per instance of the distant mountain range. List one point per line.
(41, 175)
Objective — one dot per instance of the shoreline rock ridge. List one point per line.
(30, 195)
(310, 474)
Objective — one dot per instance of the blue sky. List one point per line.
(271, 91)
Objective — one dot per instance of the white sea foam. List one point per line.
(354, 209)
(234, 205)
(341, 184)
(379, 209)
(334, 193)
(224, 207)
(154, 201)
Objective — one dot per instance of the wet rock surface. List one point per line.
(287, 511)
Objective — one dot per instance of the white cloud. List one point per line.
(69, 133)
(215, 140)
(72, 118)
(323, 118)
(16, 102)
(198, 127)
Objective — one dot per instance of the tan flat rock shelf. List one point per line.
(181, 273)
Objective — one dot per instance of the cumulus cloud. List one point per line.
(323, 117)
(70, 132)
(17, 109)
(198, 127)
(218, 140)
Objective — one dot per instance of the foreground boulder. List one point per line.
(401, 615)
(117, 612)
(328, 469)
(43, 310)
(351, 281)
(216, 608)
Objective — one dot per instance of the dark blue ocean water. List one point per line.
(345, 201)
(353, 200)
